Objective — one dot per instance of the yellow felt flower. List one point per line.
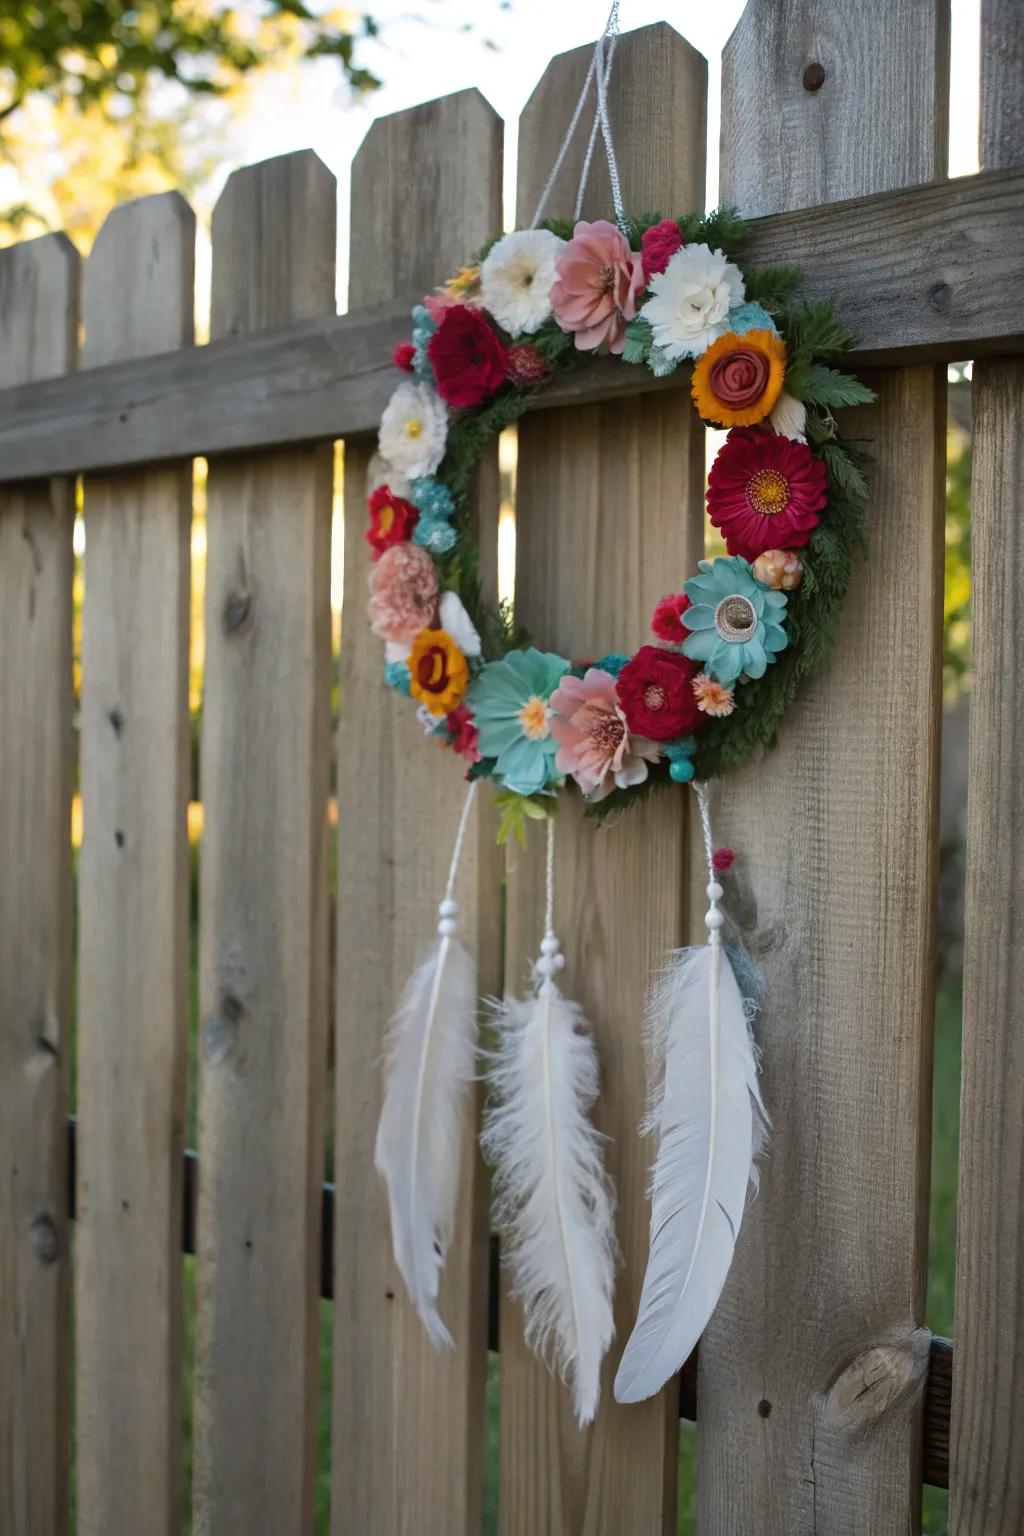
(438, 673)
(737, 381)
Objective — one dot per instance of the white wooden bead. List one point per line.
(545, 966)
(446, 927)
(714, 891)
(447, 908)
(550, 945)
(713, 918)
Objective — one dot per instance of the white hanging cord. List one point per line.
(448, 907)
(551, 957)
(600, 72)
(713, 917)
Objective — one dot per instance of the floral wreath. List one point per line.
(786, 493)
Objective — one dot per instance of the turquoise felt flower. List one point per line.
(750, 317)
(431, 498)
(422, 330)
(736, 623)
(509, 704)
(396, 675)
(434, 534)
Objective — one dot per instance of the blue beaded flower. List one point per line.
(736, 623)
(750, 317)
(434, 534)
(422, 330)
(431, 497)
(680, 758)
(396, 675)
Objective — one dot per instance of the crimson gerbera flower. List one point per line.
(655, 690)
(392, 520)
(467, 358)
(765, 492)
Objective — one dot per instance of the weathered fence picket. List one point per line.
(812, 1370)
(426, 189)
(263, 895)
(609, 510)
(133, 910)
(39, 314)
(987, 1430)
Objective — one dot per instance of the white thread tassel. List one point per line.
(553, 1197)
(431, 1063)
(706, 1109)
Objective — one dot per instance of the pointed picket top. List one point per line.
(138, 289)
(39, 296)
(274, 245)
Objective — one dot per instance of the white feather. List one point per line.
(707, 1111)
(431, 1060)
(553, 1197)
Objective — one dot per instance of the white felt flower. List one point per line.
(691, 299)
(394, 650)
(413, 430)
(517, 276)
(789, 418)
(455, 621)
(380, 472)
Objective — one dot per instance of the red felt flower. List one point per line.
(392, 520)
(525, 366)
(467, 358)
(765, 492)
(667, 619)
(462, 733)
(658, 244)
(656, 694)
(403, 355)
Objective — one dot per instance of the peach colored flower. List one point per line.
(594, 743)
(599, 282)
(403, 593)
(713, 697)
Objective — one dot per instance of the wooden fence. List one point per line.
(822, 1401)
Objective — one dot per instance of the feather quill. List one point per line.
(706, 1109)
(553, 1198)
(431, 1063)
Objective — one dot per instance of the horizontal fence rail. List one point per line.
(928, 273)
(940, 1369)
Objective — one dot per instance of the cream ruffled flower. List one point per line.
(691, 300)
(380, 472)
(517, 276)
(456, 622)
(413, 430)
(789, 418)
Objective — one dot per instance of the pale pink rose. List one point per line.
(599, 281)
(403, 593)
(594, 743)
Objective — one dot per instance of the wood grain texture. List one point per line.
(39, 321)
(263, 895)
(608, 510)
(408, 1451)
(877, 122)
(986, 1474)
(987, 1429)
(812, 1370)
(133, 911)
(1001, 140)
(930, 273)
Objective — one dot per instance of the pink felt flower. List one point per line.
(667, 618)
(403, 593)
(463, 735)
(658, 244)
(599, 281)
(594, 743)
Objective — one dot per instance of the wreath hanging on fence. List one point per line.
(786, 494)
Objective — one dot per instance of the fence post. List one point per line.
(609, 518)
(811, 1371)
(263, 895)
(408, 1422)
(39, 322)
(986, 1473)
(133, 905)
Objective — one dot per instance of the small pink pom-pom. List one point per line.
(722, 858)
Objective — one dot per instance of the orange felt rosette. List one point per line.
(737, 381)
(438, 673)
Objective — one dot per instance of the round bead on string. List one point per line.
(447, 912)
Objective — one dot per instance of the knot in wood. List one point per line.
(220, 1030)
(876, 1382)
(940, 297)
(237, 609)
(814, 77)
(43, 1239)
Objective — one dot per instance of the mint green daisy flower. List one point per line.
(737, 623)
(509, 702)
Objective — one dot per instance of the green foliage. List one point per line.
(812, 330)
(637, 347)
(112, 48)
(817, 385)
(516, 810)
(772, 287)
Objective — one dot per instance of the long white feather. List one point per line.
(431, 1061)
(553, 1197)
(706, 1109)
